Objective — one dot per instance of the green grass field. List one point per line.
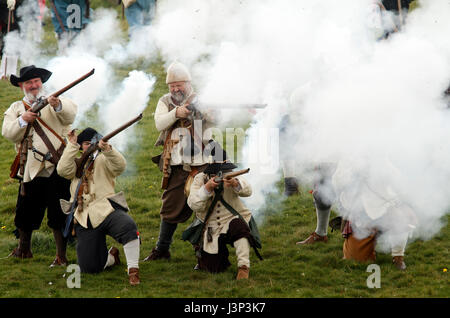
(287, 270)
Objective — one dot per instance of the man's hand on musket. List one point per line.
(231, 182)
(54, 101)
(182, 111)
(211, 185)
(72, 137)
(29, 116)
(104, 145)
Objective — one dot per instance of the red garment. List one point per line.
(41, 4)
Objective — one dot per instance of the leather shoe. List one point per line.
(313, 238)
(21, 254)
(133, 274)
(156, 254)
(59, 261)
(243, 272)
(399, 262)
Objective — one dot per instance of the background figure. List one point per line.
(138, 13)
(374, 211)
(288, 136)
(287, 163)
(392, 5)
(5, 7)
(69, 17)
(324, 197)
(42, 9)
(447, 96)
(385, 17)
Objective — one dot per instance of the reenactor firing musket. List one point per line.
(84, 163)
(25, 145)
(81, 162)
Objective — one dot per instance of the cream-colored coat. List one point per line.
(60, 122)
(96, 205)
(219, 220)
(164, 119)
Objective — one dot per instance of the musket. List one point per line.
(220, 176)
(194, 107)
(42, 102)
(69, 219)
(81, 162)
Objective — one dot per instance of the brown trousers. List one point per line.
(174, 207)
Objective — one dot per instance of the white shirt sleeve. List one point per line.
(59, 108)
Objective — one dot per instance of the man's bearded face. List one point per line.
(179, 91)
(32, 88)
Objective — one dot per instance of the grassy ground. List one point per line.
(287, 270)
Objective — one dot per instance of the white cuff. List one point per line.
(22, 123)
(59, 108)
(238, 188)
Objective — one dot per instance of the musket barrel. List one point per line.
(231, 106)
(235, 173)
(231, 175)
(36, 108)
(76, 82)
(123, 127)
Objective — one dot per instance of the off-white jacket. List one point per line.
(96, 205)
(60, 122)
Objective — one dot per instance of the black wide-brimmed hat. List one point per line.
(29, 72)
(86, 135)
(220, 161)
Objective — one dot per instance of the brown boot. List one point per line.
(133, 274)
(24, 248)
(243, 272)
(399, 262)
(313, 238)
(156, 254)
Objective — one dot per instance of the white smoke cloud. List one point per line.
(370, 106)
(89, 92)
(26, 44)
(132, 99)
(373, 109)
